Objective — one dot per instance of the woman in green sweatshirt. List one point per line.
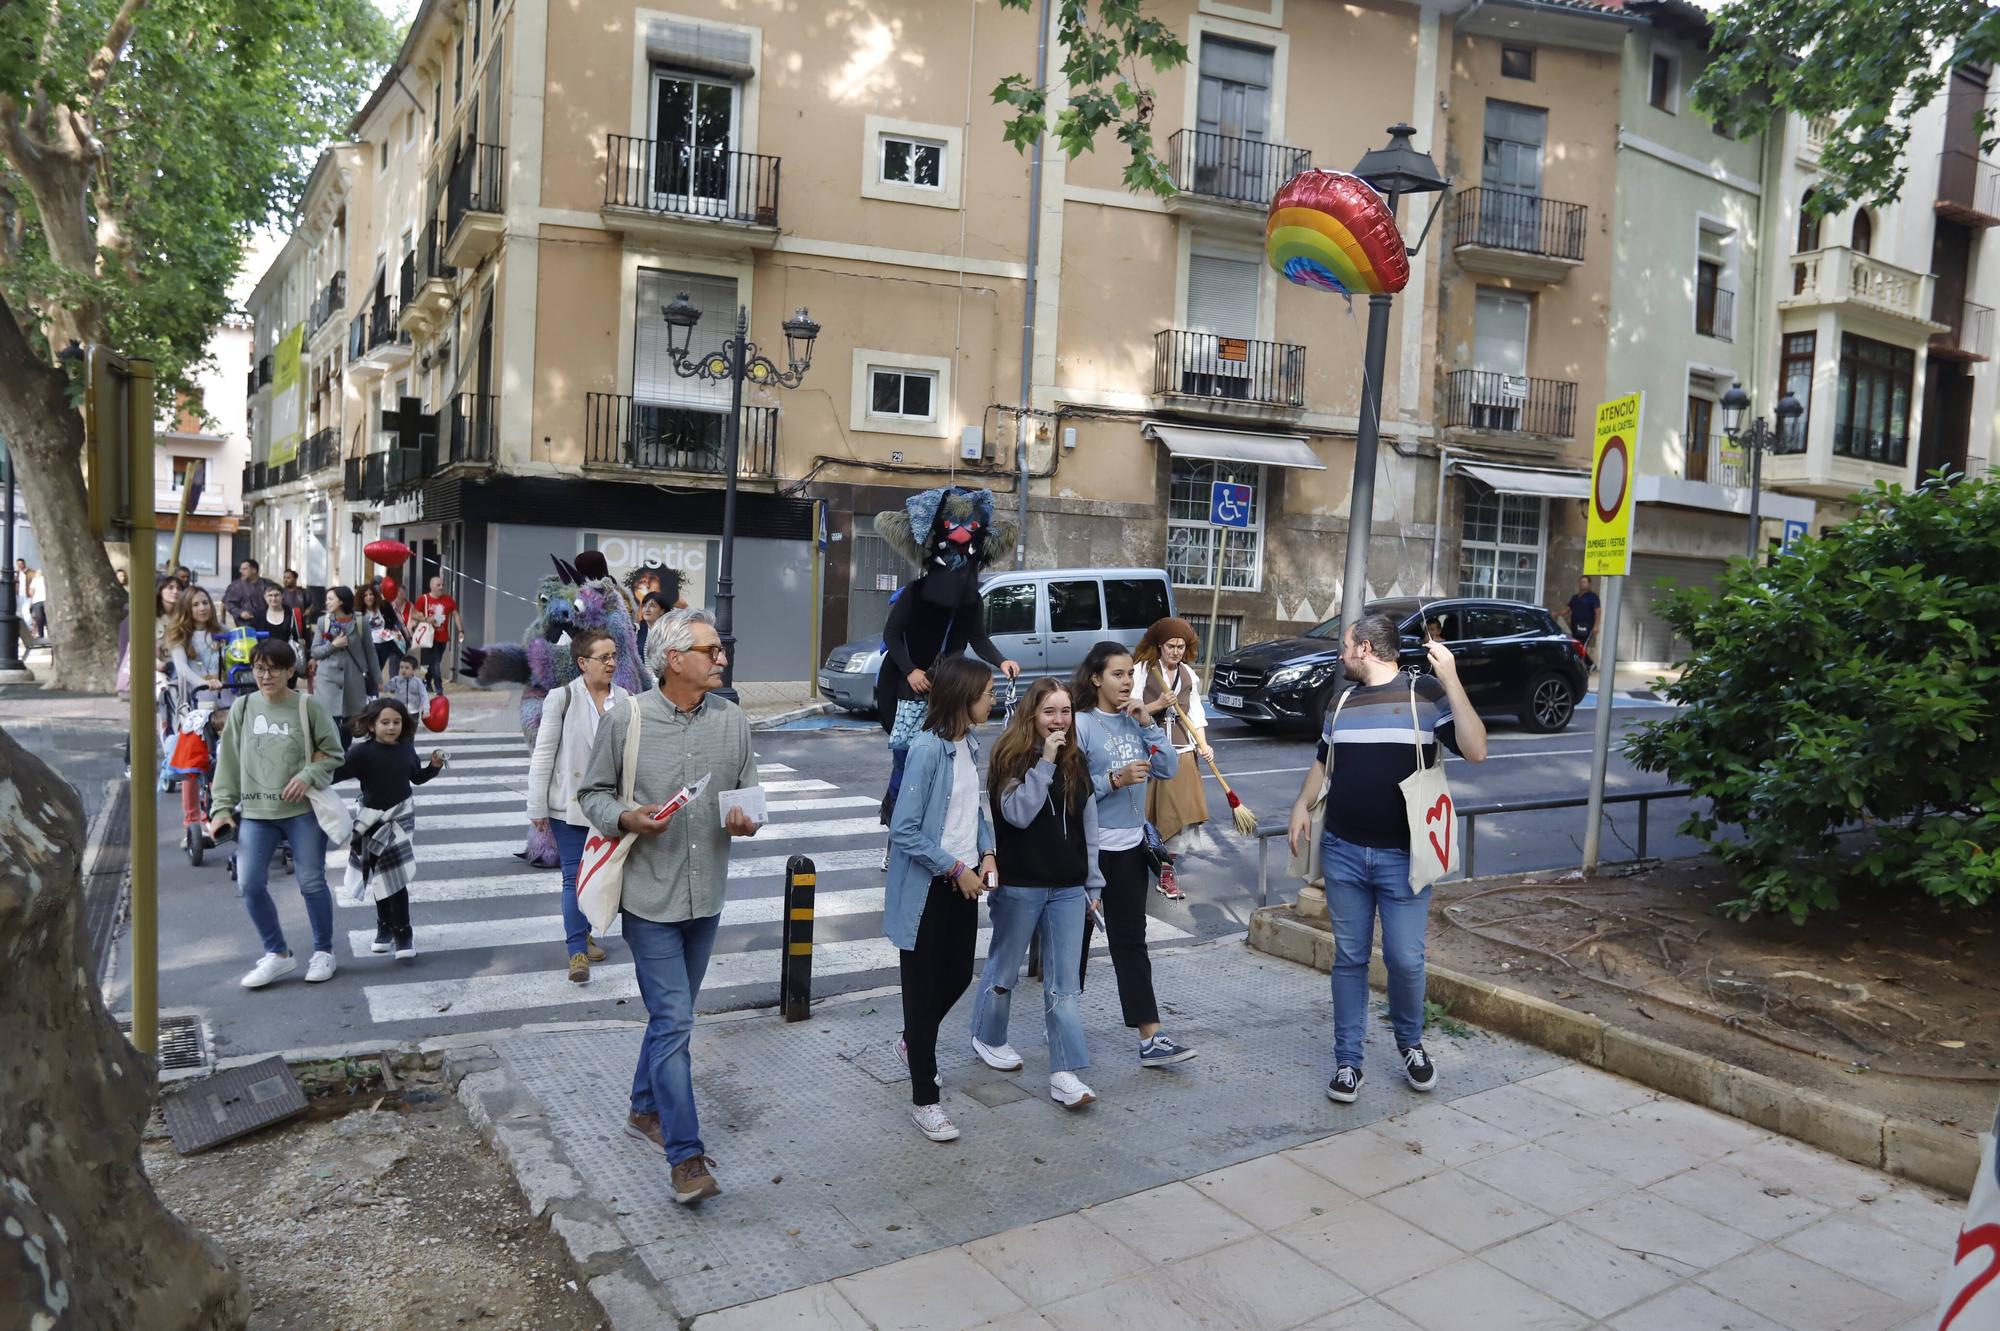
(277, 745)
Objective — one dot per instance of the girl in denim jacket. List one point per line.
(940, 862)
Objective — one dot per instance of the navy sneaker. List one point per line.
(1345, 1086)
(1421, 1073)
(1160, 1051)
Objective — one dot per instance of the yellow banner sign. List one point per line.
(1607, 544)
(288, 397)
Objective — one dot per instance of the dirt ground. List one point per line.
(378, 1211)
(1890, 1003)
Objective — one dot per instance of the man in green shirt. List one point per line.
(277, 745)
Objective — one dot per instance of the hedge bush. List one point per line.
(1853, 681)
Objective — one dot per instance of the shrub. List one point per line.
(1854, 681)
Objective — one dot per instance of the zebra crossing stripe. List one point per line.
(531, 882)
(476, 995)
(459, 822)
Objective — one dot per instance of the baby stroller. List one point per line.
(189, 764)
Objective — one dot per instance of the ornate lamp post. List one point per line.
(735, 361)
(1758, 439)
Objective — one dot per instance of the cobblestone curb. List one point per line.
(777, 719)
(1929, 1154)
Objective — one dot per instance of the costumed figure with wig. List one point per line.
(581, 595)
(950, 535)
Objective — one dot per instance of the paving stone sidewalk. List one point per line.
(1526, 1192)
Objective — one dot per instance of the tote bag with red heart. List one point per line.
(600, 875)
(1432, 816)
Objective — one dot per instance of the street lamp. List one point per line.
(1758, 439)
(1394, 170)
(735, 361)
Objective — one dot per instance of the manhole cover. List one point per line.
(224, 1107)
(181, 1046)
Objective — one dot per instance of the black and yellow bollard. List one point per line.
(795, 974)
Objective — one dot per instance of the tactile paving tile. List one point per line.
(809, 1121)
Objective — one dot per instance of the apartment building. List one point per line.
(216, 449)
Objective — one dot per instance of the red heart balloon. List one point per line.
(388, 589)
(389, 554)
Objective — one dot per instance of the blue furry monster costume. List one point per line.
(582, 595)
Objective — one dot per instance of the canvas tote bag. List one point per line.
(329, 810)
(600, 876)
(1432, 815)
(1305, 864)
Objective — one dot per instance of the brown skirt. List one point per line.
(1179, 801)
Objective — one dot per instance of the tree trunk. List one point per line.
(44, 436)
(85, 1244)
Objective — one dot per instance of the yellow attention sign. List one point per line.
(1607, 545)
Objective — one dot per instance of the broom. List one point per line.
(1246, 821)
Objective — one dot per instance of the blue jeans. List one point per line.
(256, 841)
(569, 841)
(1362, 881)
(1017, 913)
(670, 960)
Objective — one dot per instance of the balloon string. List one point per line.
(459, 572)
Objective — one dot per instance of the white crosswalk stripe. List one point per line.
(454, 822)
(529, 882)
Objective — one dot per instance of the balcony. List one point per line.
(1225, 372)
(354, 475)
(330, 301)
(426, 286)
(706, 197)
(1523, 236)
(1712, 458)
(375, 342)
(1836, 275)
(1813, 138)
(250, 385)
(474, 429)
(1715, 312)
(1890, 448)
(320, 451)
(1968, 189)
(263, 370)
(1223, 178)
(1483, 402)
(654, 436)
(474, 204)
(1968, 334)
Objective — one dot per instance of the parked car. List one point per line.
(1046, 619)
(1512, 658)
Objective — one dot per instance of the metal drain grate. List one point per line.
(229, 1104)
(182, 1048)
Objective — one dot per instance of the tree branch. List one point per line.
(115, 39)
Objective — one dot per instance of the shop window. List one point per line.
(1500, 545)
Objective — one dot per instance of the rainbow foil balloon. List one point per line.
(1331, 230)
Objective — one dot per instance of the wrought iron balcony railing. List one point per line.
(475, 427)
(1236, 170)
(478, 179)
(1715, 312)
(690, 180)
(1509, 404)
(1525, 223)
(663, 436)
(1235, 369)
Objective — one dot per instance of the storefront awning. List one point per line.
(1530, 480)
(1269, 450)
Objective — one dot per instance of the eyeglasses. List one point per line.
(611, 659)
(714, 651)
(259, 668)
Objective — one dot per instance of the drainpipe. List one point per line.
(1437, 527)
(1028, 311)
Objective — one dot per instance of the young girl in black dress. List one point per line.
(382, 854)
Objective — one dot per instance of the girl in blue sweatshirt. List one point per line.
(1125, 748)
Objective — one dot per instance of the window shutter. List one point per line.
(653, 377)
(1222, 295)
(698, 47)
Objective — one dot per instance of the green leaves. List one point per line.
(1853, 683)
(1102, 59)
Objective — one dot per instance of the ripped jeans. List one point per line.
(1017, 913)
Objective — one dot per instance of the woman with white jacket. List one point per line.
(562, 751)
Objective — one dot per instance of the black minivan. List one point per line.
(1512, 657)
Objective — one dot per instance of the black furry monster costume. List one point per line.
(950, 535)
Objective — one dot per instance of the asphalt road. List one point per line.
(489, 933)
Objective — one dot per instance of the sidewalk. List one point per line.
(1227, 1193)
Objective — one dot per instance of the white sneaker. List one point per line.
(999, 1057)
(903, 1057)
(269, 968)
(321, 967)
(1068, 1092)
(930, 1121)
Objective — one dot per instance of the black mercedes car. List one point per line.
(1512, 657)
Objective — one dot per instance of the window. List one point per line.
(1194, 547)
(676, 422)
(1500, 547)
(437, 110)
(1700, 432)
(1808, 225)
(909, 395)
(1663, 93)
(1795, 374)
(1011, 609)
(1517, 62)
(1135, 603)
(1222, 292)
(1073, 608)
(694, 128)
(915, 162)
(457, 72)
(1872, 406)
(1864, 232)
(1714, 303)
(381, 157)
(183, 467)
(1492, 622)
(1225, 634)
(1233, 121)
(474, 16)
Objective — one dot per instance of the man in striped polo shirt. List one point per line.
(1368, 746)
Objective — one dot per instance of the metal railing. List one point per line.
(680, 179)
(353, 476)
(1871, 445)
(478, 177)
(1509, 404)
(430, 254)
(320, 451)
(329, 302)
(661, 436)
(250, 387)
(357, 336)
(1221, 166)
(475, 427)
(1970, 332)
(1236, 369)
(1968, 184)
(1715, 312)
(1469, 815)
(1525, 223)
(263, 370)
(382, 329)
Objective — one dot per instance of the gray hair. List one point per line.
(674, 633)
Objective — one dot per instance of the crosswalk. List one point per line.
(489, 926)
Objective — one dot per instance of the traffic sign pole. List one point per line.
(1215, 600)
(1607, 554)
(1600, 749)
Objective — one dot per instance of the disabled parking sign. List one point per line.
(1229, 504)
